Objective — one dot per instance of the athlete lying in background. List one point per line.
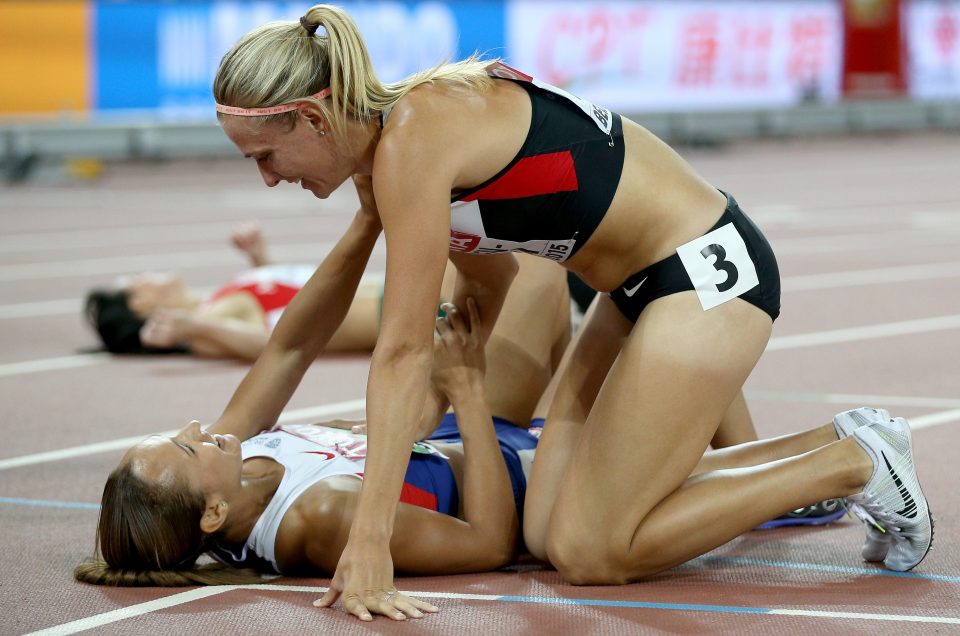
(157, 312)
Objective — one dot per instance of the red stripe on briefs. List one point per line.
(531, 176)
(414, 496)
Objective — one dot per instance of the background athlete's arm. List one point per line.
(208, 334)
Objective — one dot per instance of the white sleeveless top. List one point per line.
(307, 454)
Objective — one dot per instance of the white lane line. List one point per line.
(42, 308)
(865, 332)
(205, 232)
(75, 305)
(310, 252)
(934, 419)
(295, 415)
(206, 592)
(943, 620)
(899, 239)
(851, 398)
(881, 276)
(134, 610)
(53, 364)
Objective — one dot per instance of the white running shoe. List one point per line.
(892, 501)
(847, 422)
(877, 542)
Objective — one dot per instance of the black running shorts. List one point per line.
(732, 260)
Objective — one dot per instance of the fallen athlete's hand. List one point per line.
(364, 581)
(165, 328)
(357, 427)
(248, 238)
(458, 358)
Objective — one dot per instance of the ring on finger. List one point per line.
(389, 595)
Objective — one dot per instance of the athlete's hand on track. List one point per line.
(364, 582)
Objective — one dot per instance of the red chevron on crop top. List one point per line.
(552, 196)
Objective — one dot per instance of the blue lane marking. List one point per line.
(76, 505)
(727, 609)
(833, 569)
(815, 567)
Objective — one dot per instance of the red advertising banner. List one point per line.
(874, 62)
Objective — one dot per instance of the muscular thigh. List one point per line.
(677, 373)
(520, 349)
(565, 405)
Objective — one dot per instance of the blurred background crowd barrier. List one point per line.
(126, 79)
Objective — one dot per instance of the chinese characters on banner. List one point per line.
(682, 54)
(933, 37)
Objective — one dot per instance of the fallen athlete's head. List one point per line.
(118, 314)
(167, 503)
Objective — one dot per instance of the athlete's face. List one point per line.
(308, 154)
(153, 290)
(209, 464)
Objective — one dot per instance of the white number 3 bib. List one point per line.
(719, 266)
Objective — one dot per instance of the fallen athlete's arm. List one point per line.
(427, 542)
(487, 536)
(207, 335)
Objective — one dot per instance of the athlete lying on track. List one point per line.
(156, 312)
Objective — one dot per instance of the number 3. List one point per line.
(720, 250)
(721, 265)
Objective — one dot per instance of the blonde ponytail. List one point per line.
(283, 62)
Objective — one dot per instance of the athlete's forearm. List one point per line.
(218, 338)
(434, 408)
(488, 504)
(304, 328)
(319, 308)
(395, 392)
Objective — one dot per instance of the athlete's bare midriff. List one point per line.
(660, 204)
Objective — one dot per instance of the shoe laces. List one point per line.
(870, 511)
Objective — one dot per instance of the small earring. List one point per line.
(323, 132)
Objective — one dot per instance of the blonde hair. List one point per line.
(282, 62)
(149, 535)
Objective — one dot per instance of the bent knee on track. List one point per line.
(599, 558)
